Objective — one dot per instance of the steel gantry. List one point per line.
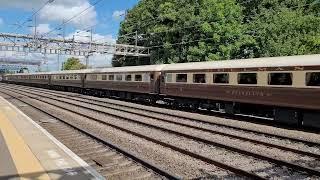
(30, 44)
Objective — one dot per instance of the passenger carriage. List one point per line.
(286, 88)
(133, 82)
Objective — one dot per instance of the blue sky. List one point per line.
(106, 24)
(104, 18)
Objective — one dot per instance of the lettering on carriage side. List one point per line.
(248, 93)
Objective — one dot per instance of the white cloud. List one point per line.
(41, 29)
(118, 14)
(58, 10)
(61, 12)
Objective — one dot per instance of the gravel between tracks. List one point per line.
(172, 161)
(273, 152)
(313, 137)
(249, 164)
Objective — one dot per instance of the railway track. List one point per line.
(72, 101)
(237, 171)
(159, 117)
(163, 115)
(111, 161)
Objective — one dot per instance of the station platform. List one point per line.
(27, 151)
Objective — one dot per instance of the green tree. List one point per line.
(283, 28)
(73, 64)
(203, 30)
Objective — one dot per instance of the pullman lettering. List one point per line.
(247, 93)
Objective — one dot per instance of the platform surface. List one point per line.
(27, 151)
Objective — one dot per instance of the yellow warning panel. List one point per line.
(27, 165)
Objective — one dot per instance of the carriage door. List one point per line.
(83, 80)
(155, 82)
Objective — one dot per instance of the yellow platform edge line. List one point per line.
(27, 165)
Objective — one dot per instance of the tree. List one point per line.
(73, 64)
(185, 30)
(203, 30)
(284, 28)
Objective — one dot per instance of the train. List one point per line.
(284, 89)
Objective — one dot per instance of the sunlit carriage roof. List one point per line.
(306, 60)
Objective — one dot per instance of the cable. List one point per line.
(36, 12)
(73, 17)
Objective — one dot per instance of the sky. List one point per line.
(104, 17)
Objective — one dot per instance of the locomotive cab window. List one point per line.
(128, 77)
(313, 79)
(221, 78)
(182, 78)
(280, 79)
(138, 77)
(247, 78)
(199, 78)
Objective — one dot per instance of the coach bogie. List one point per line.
(288, 116)
(311, 119)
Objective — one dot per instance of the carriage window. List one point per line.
(138, 77)
(169, 77)
(111, 77)
(93, 77)
(313, 79)
(221, 78)
(104, 77)
(247, 78)
(181, 78)
(199, 78)
(128, 77)
(119, 77)
(151, 77)
(67, 77)
(280, 79)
